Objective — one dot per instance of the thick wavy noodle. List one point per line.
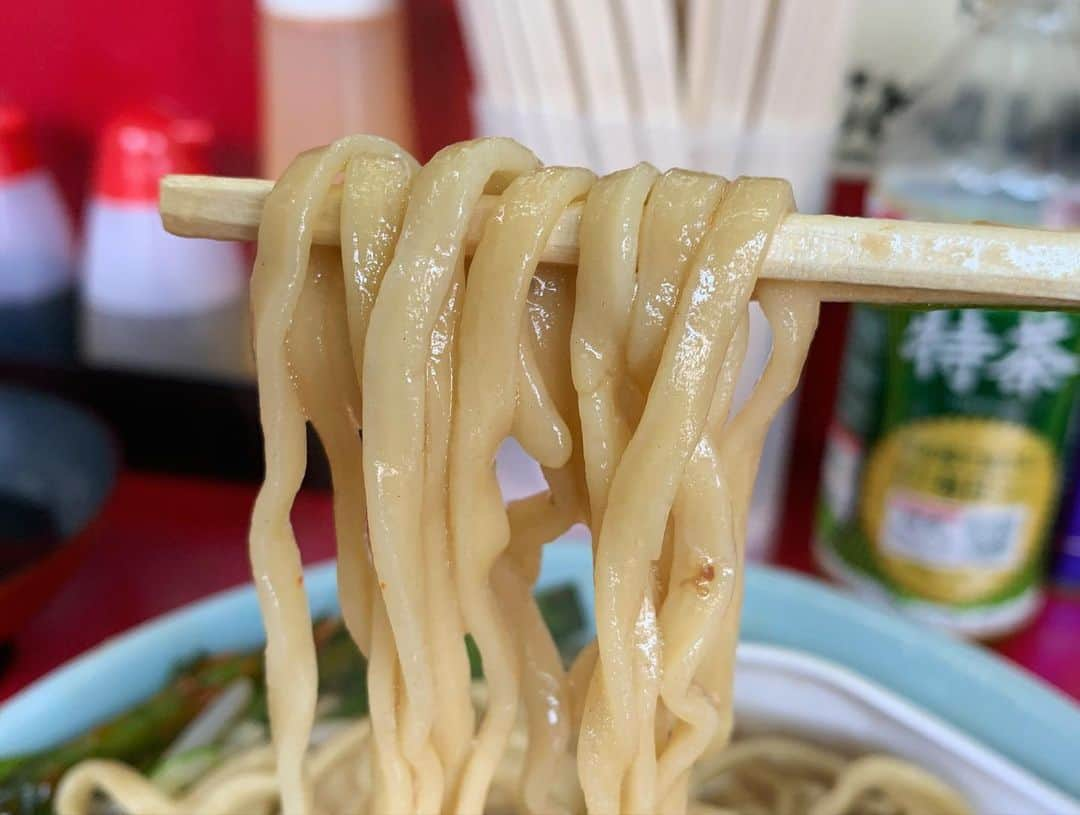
(618, 379)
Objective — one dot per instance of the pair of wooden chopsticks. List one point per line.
(851, 259)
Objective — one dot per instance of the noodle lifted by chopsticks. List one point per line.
(620, 382)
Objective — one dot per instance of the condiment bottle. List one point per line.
(36, 254)
(945, 459)
(154, 301)
(331, 68)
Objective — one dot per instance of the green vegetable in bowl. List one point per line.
(177, 772)
(146, 735)
(137, 737)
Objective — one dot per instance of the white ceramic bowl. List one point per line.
(777, 689)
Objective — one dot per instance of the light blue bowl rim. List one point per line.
(997, 704)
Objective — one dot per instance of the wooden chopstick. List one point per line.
(702, 18)
(555, 106)
(651, 46)
(853, 259)
(485, 51)
(595, 43)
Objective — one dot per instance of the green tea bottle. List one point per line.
(945, 458)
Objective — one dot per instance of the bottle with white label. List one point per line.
(152, 301)
(944, 466)
(36, 259)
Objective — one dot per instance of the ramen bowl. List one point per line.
(811, 662)
(60, 462)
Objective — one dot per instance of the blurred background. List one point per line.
(926, 463)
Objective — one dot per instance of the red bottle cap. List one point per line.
(137, 148)
(18, 153)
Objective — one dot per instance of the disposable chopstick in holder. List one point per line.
(791, 109)
(727, 43)
(850, 259)
(547, 59)
(493, 99)
(702, 20)
(524, 85)
(741, 48)
(650, 41)
(484, 48)
(801, 70)
(654, 32)
(592, 29)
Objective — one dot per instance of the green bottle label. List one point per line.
(942, 471)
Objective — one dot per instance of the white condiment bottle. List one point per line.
(36, 255)
(331, 68)
(154, 301)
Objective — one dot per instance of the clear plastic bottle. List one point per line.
(945, 458)
(996, 135)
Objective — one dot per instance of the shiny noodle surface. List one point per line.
(619, 380)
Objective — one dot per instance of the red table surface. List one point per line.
(167, 541)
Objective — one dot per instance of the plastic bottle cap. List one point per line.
(18, 153)
(136, 149)
(318, 10)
